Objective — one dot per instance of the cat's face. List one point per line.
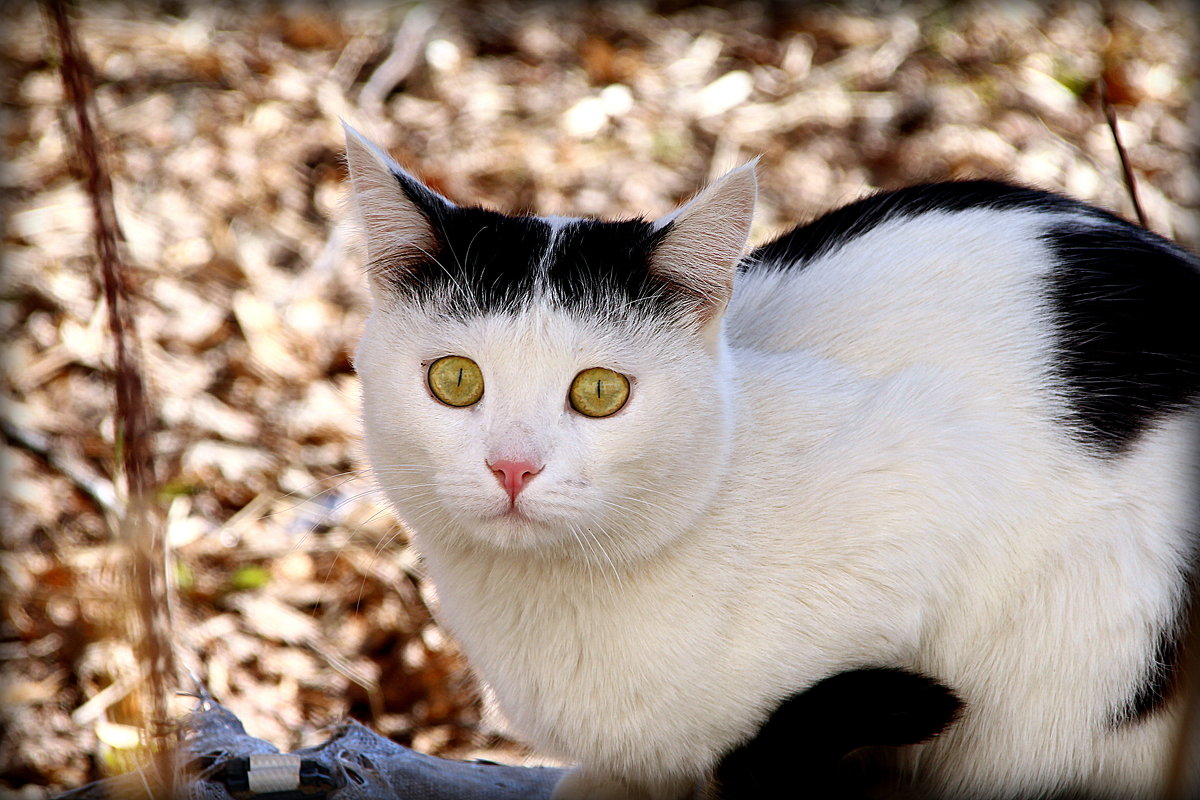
(598, 478)
(544, 385)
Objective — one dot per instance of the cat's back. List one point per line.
(1023, 292)
(1014, 375)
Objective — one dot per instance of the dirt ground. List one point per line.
(296, 600)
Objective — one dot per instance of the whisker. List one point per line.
(587, 561)
(391, 536)
(352, 473)
(642, 488)
(591, 536)
(338, 554)
(642, 515)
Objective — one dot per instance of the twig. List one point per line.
(406, 50)
(100, 702)
(1130, 181)
(97, 487)
(142, 524)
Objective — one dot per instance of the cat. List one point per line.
(664, 488)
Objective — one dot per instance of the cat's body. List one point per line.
(913, 436)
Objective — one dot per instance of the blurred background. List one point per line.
(295, 599)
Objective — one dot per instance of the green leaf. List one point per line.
(252, 577)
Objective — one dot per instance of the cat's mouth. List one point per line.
(539, 517)
(512, 512)
(521, 528)
(527, 523)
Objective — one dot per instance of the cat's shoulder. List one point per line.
(1115, 301)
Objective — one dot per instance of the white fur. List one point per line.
(864, 468)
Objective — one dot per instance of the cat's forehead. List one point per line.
(546, 333)
(491, 263)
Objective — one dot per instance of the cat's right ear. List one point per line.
(400, 216)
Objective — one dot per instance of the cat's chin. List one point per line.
(519, 530)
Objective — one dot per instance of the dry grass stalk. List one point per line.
(1110, 116)
(142, 529)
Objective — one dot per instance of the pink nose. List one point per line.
(513, 475)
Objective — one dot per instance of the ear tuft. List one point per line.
(703, 241)
(399, 214)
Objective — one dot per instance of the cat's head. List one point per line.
(545, 384)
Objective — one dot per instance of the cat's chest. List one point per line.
(564, 621)
(570, 658)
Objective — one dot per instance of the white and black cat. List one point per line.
(664, 489)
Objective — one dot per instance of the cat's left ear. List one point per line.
(703, 241)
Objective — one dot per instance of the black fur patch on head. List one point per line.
(484, 260)
(595, 263)
(795, 249)
(805, 740)
(1127, 308)
(487, 262)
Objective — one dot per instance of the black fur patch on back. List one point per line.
(1162, 678)
(798, 247)
(805, 741)
(1125, 300)
(1127, 308)
(1164, 674)
(488, 262)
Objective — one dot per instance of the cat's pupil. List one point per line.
(460, 372)
(598, 385)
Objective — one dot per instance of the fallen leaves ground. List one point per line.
(297, 602)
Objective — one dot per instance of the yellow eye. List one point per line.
(456, 381)
(598, 392)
